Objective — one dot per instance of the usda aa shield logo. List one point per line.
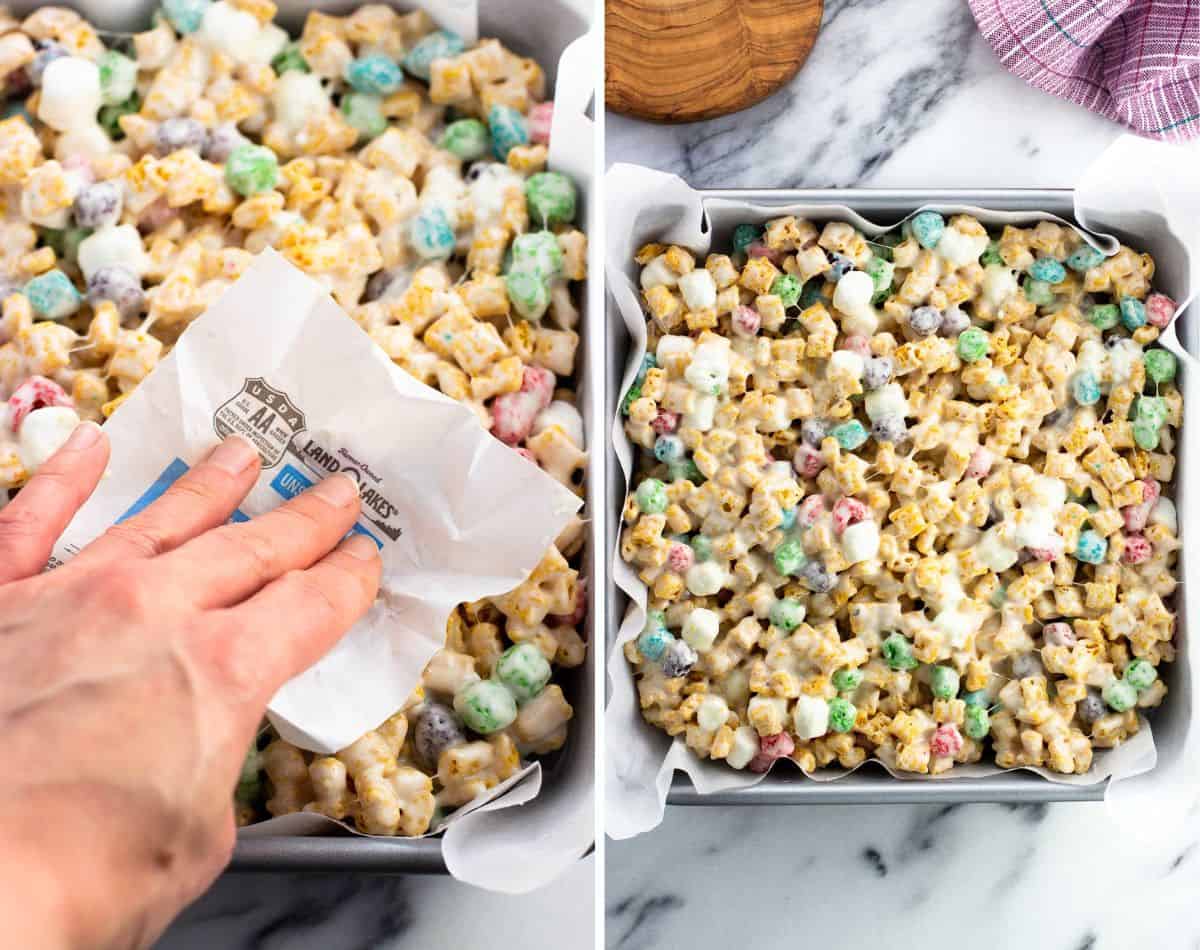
(263, 415)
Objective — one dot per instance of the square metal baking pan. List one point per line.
(870, 784)
(544, 38)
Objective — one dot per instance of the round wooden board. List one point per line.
(683, 60)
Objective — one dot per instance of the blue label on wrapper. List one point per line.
(290, 482)
(171, 474)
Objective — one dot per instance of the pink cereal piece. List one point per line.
(810, 510)
(980, 463)
(540, 382)
(1160, 310)
(1058, 634)
(808, 462)
(1151, 490)
(847, 511)
(513, 415)
(1136, 516)
(37, 392)
(1050, 552)
(856, 343)
(575, 617)
(746, 321)
(665, 422)
(770, 748)
(541, 117)
(758, 249)
(680, 557)
(946, 740)
(1136, 550)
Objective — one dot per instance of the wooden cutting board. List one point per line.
(683, 60)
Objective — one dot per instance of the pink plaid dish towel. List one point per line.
(1134, 61)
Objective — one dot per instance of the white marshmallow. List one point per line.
(887, 400)
(744, 748)
(703, 411)
(296, 97)
(658, 273)
(86, 139)
(701, 627)
(775, 708)
(699, 289)
(852, 297)
(712, 713)
(70, 93)
(487, 193)
(860, 542)
(231, 31)
(1164, 513)
(1122, 356)
(671, 346)
(121, 245)
(993, 551)
(846, 361)
(959, 250)
(43, 433)
(955, 626)
(810, 717)
(705, 579)
(59, 218)
(269, 43)
(563, 415)
(999, 283)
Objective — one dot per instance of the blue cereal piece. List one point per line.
(1084, 258)
(1133, 313)
(53, 296)
(440, 44)
(928, 228)
(850, 435)
(1091, 548)
(430, 233)
(375, 75)
(508, 129)
(1085, 388)
(1048, 270)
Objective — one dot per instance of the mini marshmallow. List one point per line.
(70, 93)
(231, 31)
(86, 139)
(296, 97)
(810, 717)
(959, 250)
(43, 432)
(999, 283)
(563, 415)
(706, 578)
(1165, 514)
(860, 542)
(704, 410)
(658, 273)
(994, 553)
(712, 713)
(887, 400)
(701, 627)
(852, 297)
(699, 289)
(120, 246)
(846, 361)
(671, 346)
(744, 747)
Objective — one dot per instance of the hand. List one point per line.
(133, 679)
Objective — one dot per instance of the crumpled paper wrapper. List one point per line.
(1138, 189)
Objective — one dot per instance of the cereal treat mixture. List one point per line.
(902, 500)
(404, 171)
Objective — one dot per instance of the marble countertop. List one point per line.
(902, 93)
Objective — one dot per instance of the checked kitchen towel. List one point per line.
(1136, 62)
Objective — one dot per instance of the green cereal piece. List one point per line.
(529, 294)
(973, 344)
(1151, 408)
(850, 435)
(486, 706)
(841, 714)
(811, 293)
(999, 595)
(1038, 292)
(652, 497)
(943, 682)
(977, 722)
(1104, 316)
(977, 697)
(290, 60)
(53, 296)
(550, 197)
(1161, 365)
(110, 117)
(634, 394)
(787, 288)
(524, 670)
(1140, 674)
(702, 547)
(991, 255)
(1146, 434)
(898, 653)
(539, 253)
(65, 242)
(685, 470)
(466, 139)
(1119, 694)
(790, 557)
(786, 614)
(365, 113)
(847, 680)
(118, 78)
(881, 272)
(744, 235)
(251, 169)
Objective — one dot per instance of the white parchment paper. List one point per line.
(457, 514)
(1138, 189)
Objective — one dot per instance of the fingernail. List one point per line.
(234, 455)
(339, 490)
(361, 547)
(85, 435)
